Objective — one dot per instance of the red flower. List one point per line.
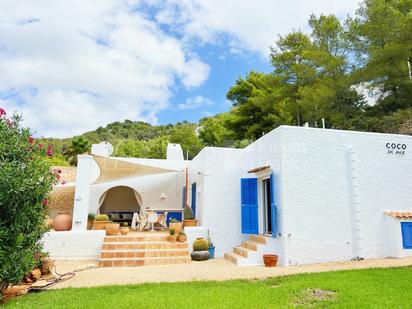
(30, 140)
(2, 111)
(49, 150)
(45, 202)
(40, 146)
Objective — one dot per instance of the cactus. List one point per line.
(200, 244)
(188, 214)
(101, 218)
(172, 232)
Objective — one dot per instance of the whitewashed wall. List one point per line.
(317, 192)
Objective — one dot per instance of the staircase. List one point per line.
(150, 249)
(250, 252)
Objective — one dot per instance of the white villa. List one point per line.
(313, 195)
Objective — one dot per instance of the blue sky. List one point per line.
(72, 66)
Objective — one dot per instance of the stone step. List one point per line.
(143, 245)
(144, 253)
(152, 238)
(258, 238)
(131, 262)
(233, 257)
(251, 245)
(241, 251)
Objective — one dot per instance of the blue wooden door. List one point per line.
(249, 206)
(273, 207)
(194, 199)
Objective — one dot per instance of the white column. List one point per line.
(82, 195)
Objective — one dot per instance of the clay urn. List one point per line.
(62, 222)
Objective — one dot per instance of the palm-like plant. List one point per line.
(79, 145)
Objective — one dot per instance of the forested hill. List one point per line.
(322, 73)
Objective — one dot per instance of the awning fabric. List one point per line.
(114, 169)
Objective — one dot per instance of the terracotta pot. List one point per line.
(112, 229)
(177, 226)
(99, 225)
(190, 222)
(270, 260)
(181, 238)
(124, 230)
(172, 238)
(62, 222)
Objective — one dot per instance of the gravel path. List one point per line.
(217, 269)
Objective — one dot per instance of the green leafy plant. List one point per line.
(102, 217)
(174, 220)
(172, 232)
(188, 213)
(25, 182)
(91, 216)
(200, 244)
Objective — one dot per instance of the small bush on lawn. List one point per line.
(25, 181)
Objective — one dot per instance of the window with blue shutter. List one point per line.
(406, 234)
(273, 205)
(194, 199)
(249, 206)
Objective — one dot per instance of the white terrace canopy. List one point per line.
(112, 168)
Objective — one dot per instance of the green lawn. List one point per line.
(369, 288)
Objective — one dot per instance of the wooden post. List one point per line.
(187, 187)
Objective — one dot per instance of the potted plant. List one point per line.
(200, 250)
(182, 237)
(112, 229)
(124, 229)
(189, 218)
(211, 247)
(270, 260)
(176, 225)
(100, 222)
(172, 235)
(90, 218)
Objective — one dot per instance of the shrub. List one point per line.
(200, 244)
(102, 218)
(188, 214)
(25, 182)
(172, 232)
(91, 216)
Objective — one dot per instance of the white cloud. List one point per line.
(252, 25)
(195, 102)
(80, 64)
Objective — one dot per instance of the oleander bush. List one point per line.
(25, 182)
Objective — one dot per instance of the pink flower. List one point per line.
(2, 112)
(40, 146)
(64, 182)
(45, 202)
(49, 150)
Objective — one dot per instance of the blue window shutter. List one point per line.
(406, 234)
(273, 205)
(249, 206)
(184, 197)
(194, 199)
